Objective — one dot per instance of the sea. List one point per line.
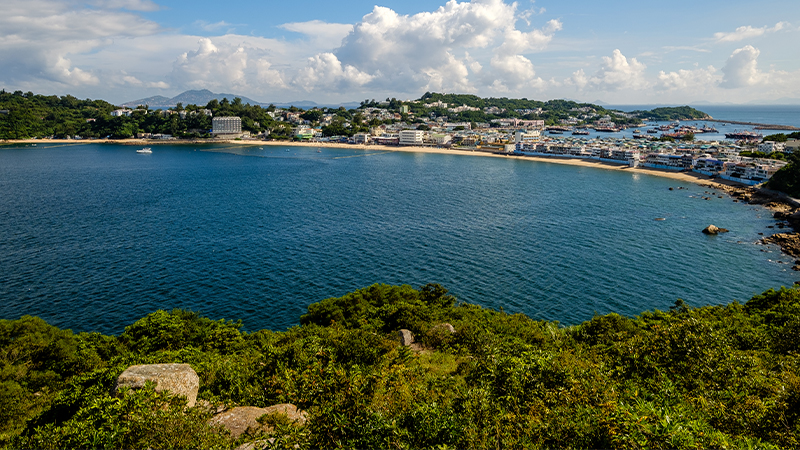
(95, 236)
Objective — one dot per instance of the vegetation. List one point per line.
(27, 115)
(710, 377)
(672, 113)
(782, 137)
(787, 180)
(31, 115)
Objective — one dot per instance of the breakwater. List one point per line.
(757, 126)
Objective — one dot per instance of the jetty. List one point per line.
(757, 126)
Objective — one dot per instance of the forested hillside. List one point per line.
(710, 377)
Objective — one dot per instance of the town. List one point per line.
(670, 139)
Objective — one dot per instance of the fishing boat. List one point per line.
(144, 150)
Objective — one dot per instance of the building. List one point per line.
(361, 138)
(121, 112)
(522, 136)
(770, 147)
(411, 137)
(226, 125)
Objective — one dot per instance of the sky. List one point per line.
(616, 52)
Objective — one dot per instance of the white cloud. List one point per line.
(130, 5)
(330, 33)
(40, 37)
(326, 70)
(700, 79)
(747, 32)
(414, 53)
(615, 73)
(221, 25)
(741, 69)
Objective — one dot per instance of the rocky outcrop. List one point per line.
(444, 327)
(178, 379)
(243, 418)
(714, 230)
(405, 337)
(789, 242)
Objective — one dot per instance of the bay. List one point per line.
(93, 237)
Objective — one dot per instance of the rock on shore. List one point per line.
(789, 242)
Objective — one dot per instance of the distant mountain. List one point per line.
(779, 101)
(203, 96)
(307, 104)
(195, 97)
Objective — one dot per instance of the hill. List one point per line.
(710, 377)
(192, 97)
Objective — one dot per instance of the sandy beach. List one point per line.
(689, 177)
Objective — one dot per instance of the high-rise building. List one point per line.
(226, 125)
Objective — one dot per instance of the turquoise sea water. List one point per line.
(93, 237)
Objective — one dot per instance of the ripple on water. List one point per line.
(93, 238)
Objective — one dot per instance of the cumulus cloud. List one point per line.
(741, 69)
(412, 53)
(227, 63)
(39, 37)
(616, 72)
(747, 32)
(695, 80)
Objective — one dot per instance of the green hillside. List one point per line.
(711, 377)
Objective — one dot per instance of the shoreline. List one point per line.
(689, 177)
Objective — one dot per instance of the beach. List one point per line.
(688, 177)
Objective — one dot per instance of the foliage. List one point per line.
(672, 113)
(711, 377)
(31, 115)
(782, 137)
(787, 179)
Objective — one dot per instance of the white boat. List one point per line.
(144, 150)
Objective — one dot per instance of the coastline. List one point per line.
(688, 177)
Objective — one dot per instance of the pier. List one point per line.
(757, 126)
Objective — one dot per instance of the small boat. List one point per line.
(144, 150)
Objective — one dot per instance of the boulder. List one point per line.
(714, 230)
(444, 327)
(405, 337)
(178, 379)
(238, 420)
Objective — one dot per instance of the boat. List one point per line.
(144, 150)
(743, 135)
(580, 133)
(555, 132)
(652, 131)
(606, 129)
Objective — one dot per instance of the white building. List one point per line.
(411, 137)
(121, 112)
(521, 136)
(769, 147)
(226, 125)
(361, 138)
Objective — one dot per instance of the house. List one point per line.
(121, 112)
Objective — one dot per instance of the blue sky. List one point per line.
(618, 52)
